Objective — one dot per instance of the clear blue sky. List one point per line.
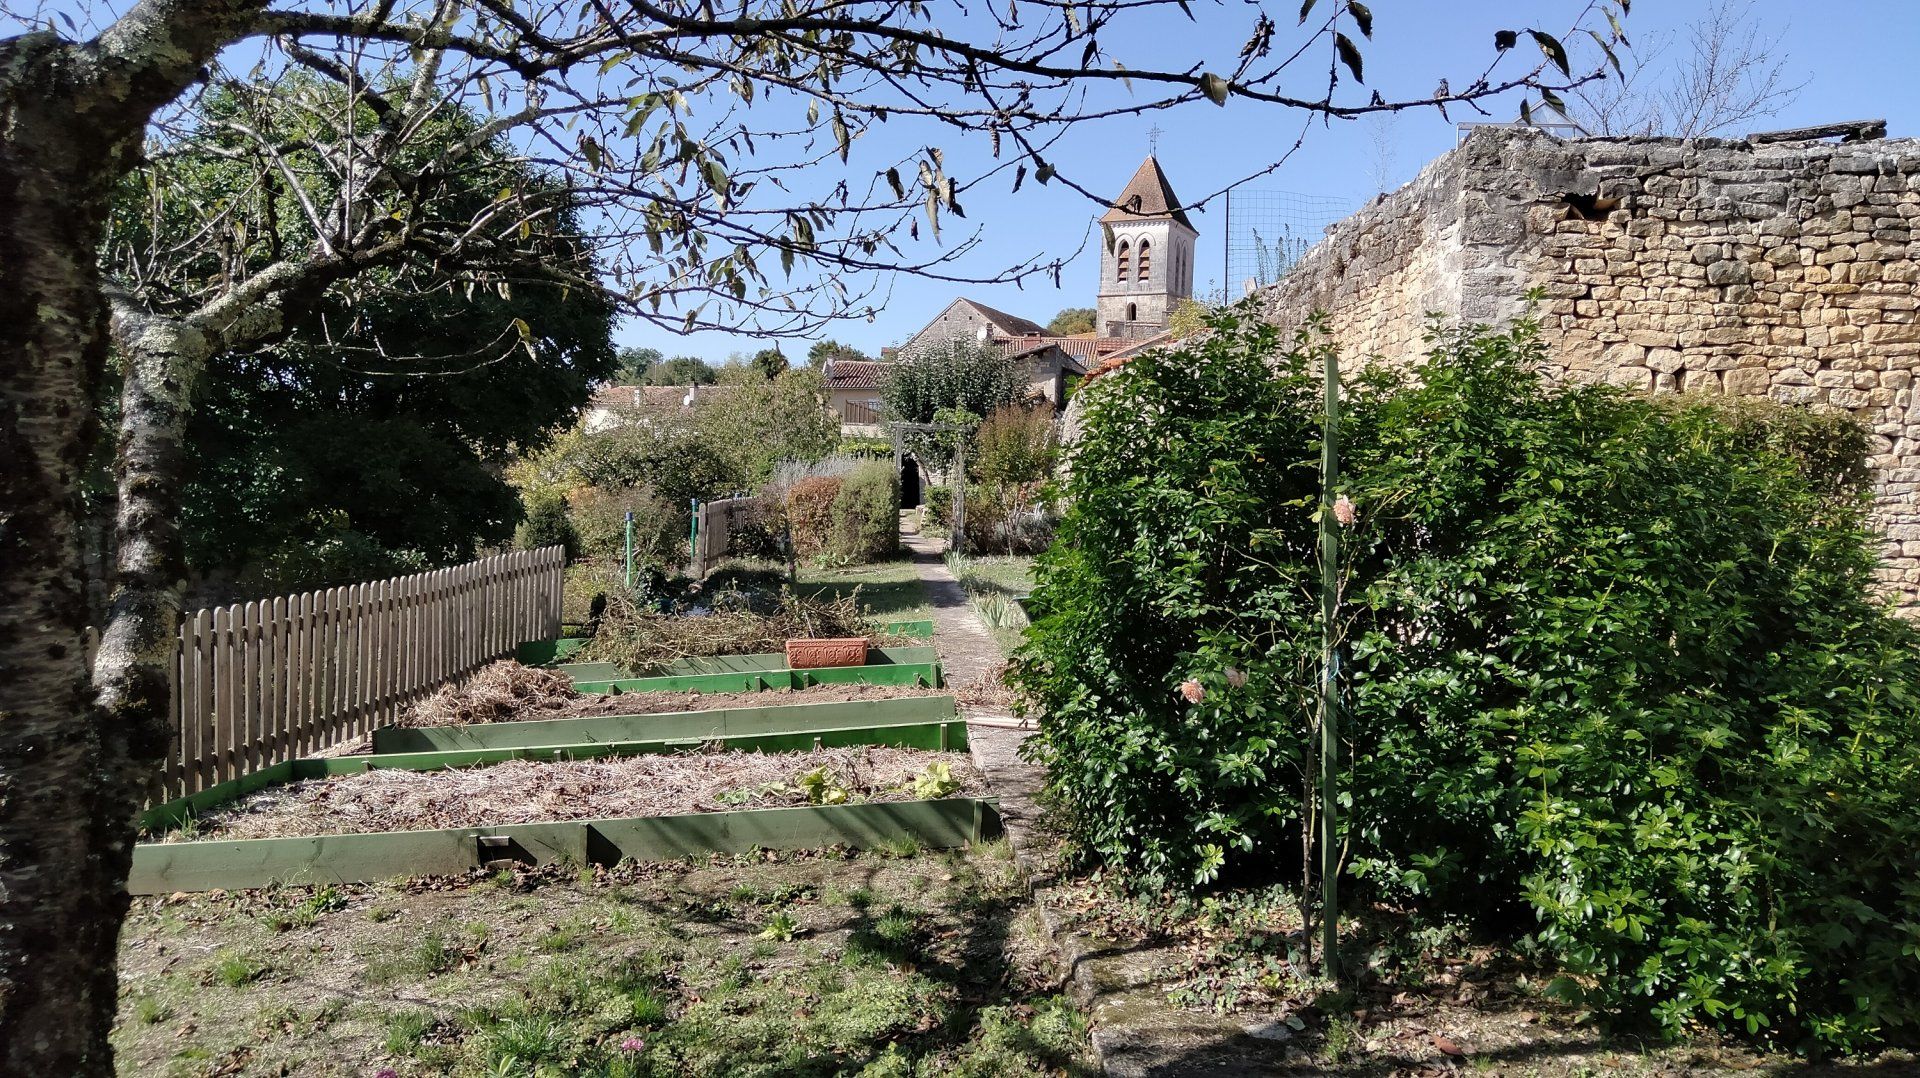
(1858, 57)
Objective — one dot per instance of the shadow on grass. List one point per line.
(885, 589)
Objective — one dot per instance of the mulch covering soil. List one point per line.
(509, 692)
(523, 791)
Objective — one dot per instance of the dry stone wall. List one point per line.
(1701, 266)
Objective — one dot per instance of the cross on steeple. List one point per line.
(1153, 139)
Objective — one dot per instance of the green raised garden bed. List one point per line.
(163, 868)
(752, 673)
(552, 652)
(946, 734)
(931, 711)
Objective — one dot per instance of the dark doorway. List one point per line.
(909, 483)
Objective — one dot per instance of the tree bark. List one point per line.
(71, 772)
(64, 836)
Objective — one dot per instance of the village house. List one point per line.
(1146, 273)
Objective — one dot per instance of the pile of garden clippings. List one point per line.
(523, 791)
(502, 692)
(647, 640)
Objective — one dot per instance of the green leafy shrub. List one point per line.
(546, 524)
(961, 375)
(810, 517)
(1617, 675)
(938, 503)
(1015, 445)
(866, 514)
(599, 517)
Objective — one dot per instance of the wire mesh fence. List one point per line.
(1267, 231)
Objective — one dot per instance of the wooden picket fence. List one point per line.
(714, 525)
(261, 682)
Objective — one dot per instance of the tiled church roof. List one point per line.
(1147, 195)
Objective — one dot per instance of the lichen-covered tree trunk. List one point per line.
(71, 120)
(64, 830)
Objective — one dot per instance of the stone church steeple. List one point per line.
(1147, 267)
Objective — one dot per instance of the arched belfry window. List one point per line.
(1121, 273)
(1146, 259)
(1133, 312)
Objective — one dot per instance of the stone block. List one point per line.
(1729, 272)
(1749, 381)
(1636, 378)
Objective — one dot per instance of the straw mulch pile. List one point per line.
(502, 692)
(521, 791)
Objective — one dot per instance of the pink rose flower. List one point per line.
(1236, 677)
(1193, 691)
(1343, 511)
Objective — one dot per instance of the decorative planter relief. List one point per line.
(834, 651)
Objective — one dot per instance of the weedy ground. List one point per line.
(894, 963)
(1419, 998)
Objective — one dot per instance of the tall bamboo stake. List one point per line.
(1329, 671)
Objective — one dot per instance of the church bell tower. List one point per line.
(1146, 267)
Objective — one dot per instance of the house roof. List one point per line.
(650, 398)
(1008, 325)
(1147, 195)
(1023, 347)
(1121, 357)
(856, 373)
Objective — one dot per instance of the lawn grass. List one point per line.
(820, 964)
(890, 590)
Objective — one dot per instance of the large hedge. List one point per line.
(1617, 677)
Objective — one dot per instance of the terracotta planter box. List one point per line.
(832, 651)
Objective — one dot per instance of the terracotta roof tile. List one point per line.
(856, 374)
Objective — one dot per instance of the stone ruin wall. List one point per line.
(1789, 271)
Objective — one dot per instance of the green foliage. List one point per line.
(682, 371)
(852, 446)
(371, 438)
(634, 363)
(598, 517)
(547, 524)
(1012, 460)
(810, 504)
(866, 514)
(769, 363)
(970, 377)
(822, 351)
(1189, 316)
(822, 787)
(756, 423)
(667, 454)
(934, 782)
(1072, 320)
(1615, 668)
(1015, 444)
(939, 506)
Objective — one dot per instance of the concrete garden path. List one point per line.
(1136, 1031)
